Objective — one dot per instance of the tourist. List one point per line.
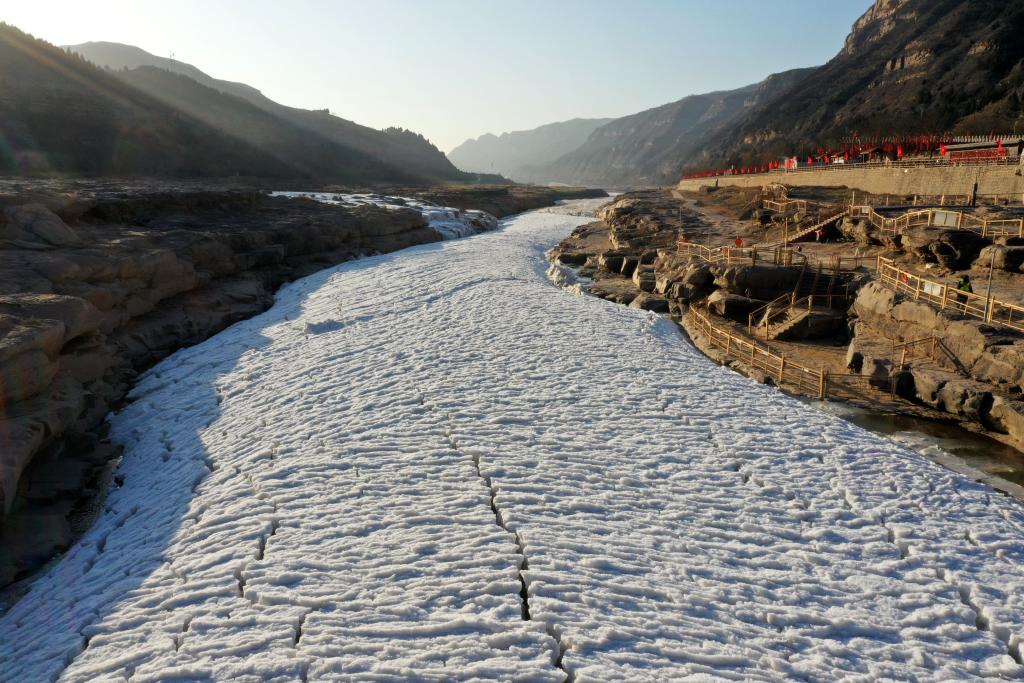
(964, 285)
(738, 242)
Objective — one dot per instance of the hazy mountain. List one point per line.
(907, 66)
(405, 150)
(119, 56)
(61, 114)
(516, 154)
(651, 147)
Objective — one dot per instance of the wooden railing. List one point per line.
(942, 218)
(782, 206)
(740, 255)
(784, 234)
(761, 313)
(950, 298)
(770, 255)
(776, 310)
(935, 200)
(763, 358)
(933, 344)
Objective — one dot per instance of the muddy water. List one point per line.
(947, 444)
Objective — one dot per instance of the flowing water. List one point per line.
(948, 444)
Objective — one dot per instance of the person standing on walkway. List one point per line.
(738, 242)
(964, 285)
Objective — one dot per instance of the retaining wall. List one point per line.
(952, 180)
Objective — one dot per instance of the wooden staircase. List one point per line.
(792, 319)
(779, 237)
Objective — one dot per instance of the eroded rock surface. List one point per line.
(94, 289)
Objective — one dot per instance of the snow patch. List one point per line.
(449, 222)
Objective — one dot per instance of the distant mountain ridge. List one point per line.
(119, 56)
(409, 152)
(516, 154)
(906, 66)
(653, 146)
(149, 116)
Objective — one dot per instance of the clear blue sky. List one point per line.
(453, 69)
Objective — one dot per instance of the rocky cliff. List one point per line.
(652, 146)
(906, 66)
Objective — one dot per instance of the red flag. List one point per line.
(899, 151)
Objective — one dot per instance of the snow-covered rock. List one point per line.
(449, 222)
(359, 484)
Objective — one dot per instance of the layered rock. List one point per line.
(94, 290)
(975, 371)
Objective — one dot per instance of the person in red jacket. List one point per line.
(738, 242)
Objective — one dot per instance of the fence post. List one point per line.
(728, 345)
(917, 291)
(945, 294)
(822, 384)
(782, 367)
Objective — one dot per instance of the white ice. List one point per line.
(353, 485)
(449, 222)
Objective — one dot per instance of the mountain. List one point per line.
(61, 114)
(651, 147)
(907, 66)
(516, 154)
(406, 150)
(119, 57)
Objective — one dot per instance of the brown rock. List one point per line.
(35, 223)
(1007, 416)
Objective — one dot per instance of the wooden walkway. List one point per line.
(949, 298)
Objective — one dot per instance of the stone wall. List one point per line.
(957, 180)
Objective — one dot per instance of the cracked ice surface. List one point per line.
(308, 496)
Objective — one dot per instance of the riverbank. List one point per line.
(629, 257)
(469, 461)
(102, 279)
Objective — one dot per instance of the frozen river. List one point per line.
(437, 465)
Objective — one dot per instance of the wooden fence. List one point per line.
(940, 218)
(741, 255)
(774, 311)
(784, 205)
(947, 297)
(762, 357)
